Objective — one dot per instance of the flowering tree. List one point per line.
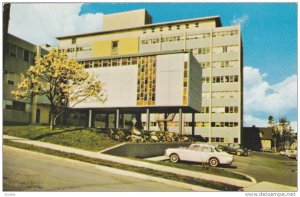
(62, 80)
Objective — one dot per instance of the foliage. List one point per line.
(62, 80)
(281, 132)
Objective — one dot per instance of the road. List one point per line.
(30, 171)
(267, 167)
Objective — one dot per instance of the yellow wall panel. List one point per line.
(101, 48)
(129, 45)
(125, 46)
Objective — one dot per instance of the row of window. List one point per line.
(170, 27)
(146, 81)
(220, 109)
(220, 94)
(221, 79)
(196, 25)
(220, 64)
(220, 139)
(110, 62)
(16, 105)
(226, 49)
(198, 124)
(185, 83)
(72, 50)
(19, 52)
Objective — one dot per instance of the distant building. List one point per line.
(19, 55)
(257, 138)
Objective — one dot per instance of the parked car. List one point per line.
(204, 153)
(292, 154)
(234, 148)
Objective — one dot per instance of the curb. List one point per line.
(195, 174)
(124, 172)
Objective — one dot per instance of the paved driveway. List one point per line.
(267, 167)
(30, 171)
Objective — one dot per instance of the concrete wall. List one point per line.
(144, 150)
(169, 80)
(124, 20)
(120, 87)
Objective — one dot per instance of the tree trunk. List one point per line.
(52, 122)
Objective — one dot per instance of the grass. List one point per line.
(165, 175)
(201, 168)
(87, 139)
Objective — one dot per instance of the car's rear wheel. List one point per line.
(238, 153)
(213, 162)
(174, 158)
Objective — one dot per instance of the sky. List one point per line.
(269, 33)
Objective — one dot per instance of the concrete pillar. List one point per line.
(90, 118)
(180, 121)
(117, 118)
(193, 124)
(148, 119)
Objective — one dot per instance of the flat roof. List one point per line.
(217, 18)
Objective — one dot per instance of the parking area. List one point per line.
(267, 167)
(262, 166)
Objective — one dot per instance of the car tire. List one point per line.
(174, 158)
(238, 153)
(213, 162)
(246, 154)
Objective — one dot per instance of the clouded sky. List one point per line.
(269, 32)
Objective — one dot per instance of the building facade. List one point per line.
(218, 51)
(19, 56)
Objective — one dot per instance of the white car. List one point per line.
(204, 153)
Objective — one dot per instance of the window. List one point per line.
(196, 24)
(153, 29)
(144, 31)
(160, 28)
(236, 140)
(13, 50)
(32, 56)
(20, 52)
(10, 82)
(19, 106)
(186, 26)
(178, 26)
(114, 46)
(73, 40)
(8, 106)
(204, 110)
(170, 27)
(26, 55)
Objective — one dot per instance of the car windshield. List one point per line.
(218, 150)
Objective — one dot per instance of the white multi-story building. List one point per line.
(184, 76)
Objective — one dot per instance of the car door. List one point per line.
(206, 153)
(193, 153)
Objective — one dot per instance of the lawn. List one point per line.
(202, 168)
(87, 139)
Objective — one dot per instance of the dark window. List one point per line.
(8, 106)
(38, 114)
(236, 140)
(13, 50)
(114, 45)
(10, 82)
(73, 40)
(19, 106)
(26, 55)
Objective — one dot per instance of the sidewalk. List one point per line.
(210, 177)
